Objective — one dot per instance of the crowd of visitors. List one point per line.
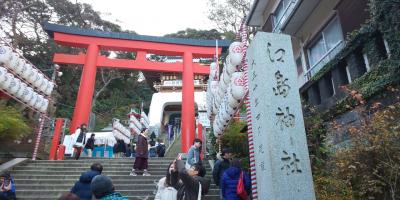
(183, 180)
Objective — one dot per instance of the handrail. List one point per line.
(308, 73)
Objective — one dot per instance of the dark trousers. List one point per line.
(78, 151)
(140, 163)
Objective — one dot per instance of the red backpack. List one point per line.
(240, 188)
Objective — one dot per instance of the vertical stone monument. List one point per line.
(282, 161)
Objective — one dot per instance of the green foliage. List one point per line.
(236, 140)
(372, 164)
(12, 123)
(211, 145)
(328, 187)
(316, 133)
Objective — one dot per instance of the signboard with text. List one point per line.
(280, 146)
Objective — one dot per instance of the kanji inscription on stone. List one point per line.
(290, 163)
(285, 118)
(282, 88)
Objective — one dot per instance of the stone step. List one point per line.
(49, 179)
(86, 168)
(113, 177)
(66, 186)
(130, 192)
(70, 182)
(100, 161)
(105, 172)
(208, 197)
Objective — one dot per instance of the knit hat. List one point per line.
(225, 151)
(101, 186)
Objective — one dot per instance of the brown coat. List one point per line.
(142, 150)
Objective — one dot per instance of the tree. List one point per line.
(20, 23)
(228, 14)
(12, 123)
(197, 34)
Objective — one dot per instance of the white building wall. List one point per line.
(160, 100)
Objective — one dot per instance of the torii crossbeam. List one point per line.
(94, 41)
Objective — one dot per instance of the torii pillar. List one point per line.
(188, 120)
(83, 103)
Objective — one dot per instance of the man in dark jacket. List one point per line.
(220, 166)
(90, 145)
(191, 180)
(82, 187)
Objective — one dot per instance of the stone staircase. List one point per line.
(44, 179)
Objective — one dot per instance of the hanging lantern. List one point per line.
(20, 67)
(3, 73)
(5, 55)
(15, 62)
(14, 86)
(49, 88)
(27, 95)
(25, 71)
(21, 90)
(32, 101)
(39, 102)
(44, 106)
(237, 85)
(8, 78)
(39, 80)
(236, 53)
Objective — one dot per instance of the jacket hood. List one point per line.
(87, 177)
(233, 172)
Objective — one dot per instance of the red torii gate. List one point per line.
(94, 41)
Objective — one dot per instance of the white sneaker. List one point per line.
(133, 173)
(146, 173)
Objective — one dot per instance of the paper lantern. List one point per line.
(32, 101)
(213, 71)
(227, 77)
(44, 85)
(136, 122)
(14, 86)
(31, 74)
(39, 80)
(27, 95)
(3, 73)
(25, 71)
(13, 62)
(5, 55)
(236, 53)
(49, 88)
(233, 103)
(237, 85)
(39, 102)
(230, 68)
(21, 90)
(37, 77)
(6, 83)
(44, 106)
(214, 87)
(20, 68)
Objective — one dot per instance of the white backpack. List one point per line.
(169, 193)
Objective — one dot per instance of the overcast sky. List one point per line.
(154, 17)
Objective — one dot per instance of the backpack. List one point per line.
(169, 193)
(240, 189)
(161, 150)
